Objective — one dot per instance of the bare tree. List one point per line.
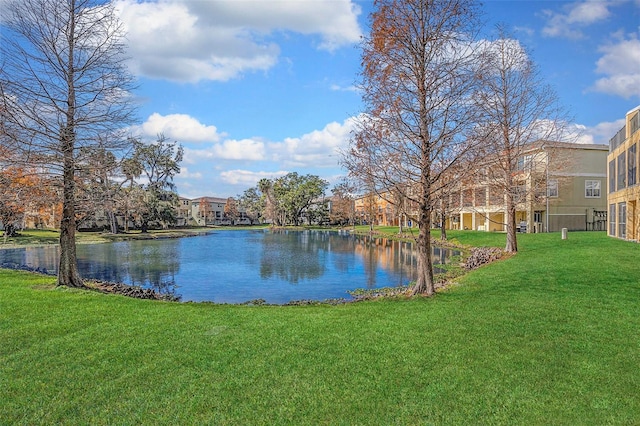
(416, 82)
(342, 209)
(516, 108)
(63, 86)
(231, 211)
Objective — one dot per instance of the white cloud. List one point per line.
(575, 16)
(338, 88)
(181, 127)
(189, 41)
(621, 66)
(248, 178)
(186, 174)
(320, 148)
(602, 132)
(245, 149)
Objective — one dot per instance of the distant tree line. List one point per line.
(292, 199)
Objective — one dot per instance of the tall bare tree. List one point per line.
(63, 86)
(416, 81)
(516, 108)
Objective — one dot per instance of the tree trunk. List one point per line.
(424, 284)
(512, 243)
(68, 270)
(113, 224)
(443, 227)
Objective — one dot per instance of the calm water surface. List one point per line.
(238, 266)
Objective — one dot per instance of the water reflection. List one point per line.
(149, 264)
(236, 266)
(293, 256)
(377, 253)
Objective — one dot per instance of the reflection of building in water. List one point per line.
(397, 256)
(390, 255)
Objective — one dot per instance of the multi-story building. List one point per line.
(624, 190)
(184, 217)
(559, 185)
(377, 208)
(206, 211)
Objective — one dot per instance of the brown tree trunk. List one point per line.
(443, 229)
(512, 243)
(424, 283)
(113, 223)
(68, 270)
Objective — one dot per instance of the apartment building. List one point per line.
(624, 191)
(559, 185)
(380, 209)
(206, 211)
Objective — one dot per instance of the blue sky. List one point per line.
(259, 88)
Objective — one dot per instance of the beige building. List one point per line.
(561, 186)
(623, 189)
(205, 211)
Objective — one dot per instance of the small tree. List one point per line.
(272, 211)
(231, 210)
(21, 190)
(342, 204)
(516, 108)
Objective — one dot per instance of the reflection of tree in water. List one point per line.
(343, 248)
(294, 255)
(150, 264)
(397, 256)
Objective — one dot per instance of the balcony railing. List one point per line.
(618, 139)
(634, 123)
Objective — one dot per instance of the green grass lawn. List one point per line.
(549, 336)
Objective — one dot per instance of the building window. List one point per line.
(622, 168)
(612, 220)
(467, 198)
(632, 165)
(552, 188)
(524, 163)
(622, 220)
(592, 189)
(480, 197)
(612, 176)
(537, 216)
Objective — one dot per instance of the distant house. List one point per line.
(624, 190)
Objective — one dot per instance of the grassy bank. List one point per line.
(547, 336)
(50, 236)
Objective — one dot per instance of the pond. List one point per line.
(241, 265)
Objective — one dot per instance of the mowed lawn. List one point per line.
(549, 336)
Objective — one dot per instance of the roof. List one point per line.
(206, 200)
(540, 144)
